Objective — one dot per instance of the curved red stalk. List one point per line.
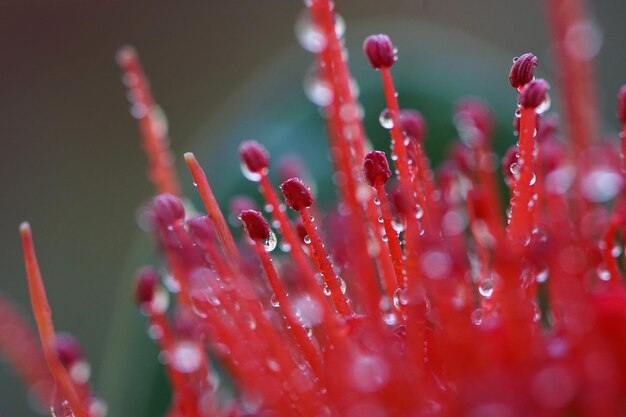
(576, 73)
(43, 318)
(331, 279)
(153, 128)
(210, 203)
(308, 349)
(522, 205)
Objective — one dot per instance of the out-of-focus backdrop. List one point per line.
(70, 160)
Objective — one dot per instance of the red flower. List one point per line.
(427, 302)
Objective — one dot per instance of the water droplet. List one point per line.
(477, 316)
(307, 240)
(317, 90)
(604, 275)
(326, 291)
(285, 247)
(273, 301)
(419, 212)
(80, 372)
(542, 276)
(342, 285)
(380, 219)
(515, 169)
(186, 357)
(601, 184)
(400, 298)
(544, 106)
(532, 180)
(385, 119)
(310, 36)
(270, 243)
(385, 238)
(616, 251)
(485, 287)
(249, 175)
(377, 201)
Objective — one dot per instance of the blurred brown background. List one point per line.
(70, 160)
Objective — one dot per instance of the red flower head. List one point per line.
(380, 51)
(297, 194)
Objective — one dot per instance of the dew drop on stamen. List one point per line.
(400, 298)
(317, 90)
(273, 301)
(604, 275)
(307, 240)
(270, 243)
(386, 120)
(310, 36)
(186, 357)
(384, 238)
(544, 106)
(485, 287)
(477, 316)
(419, 212)
(616, 251)
(249, 175)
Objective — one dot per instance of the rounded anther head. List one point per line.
(535, 93)
(254, 156)
(376, 168)
(201, 228)
(145, 285)
(67, 349)
(168, 209)
(523, 70)
(297, 194)
(379, 51)
(476, 113)
(254, 223)
(621, 104)
(413, 124)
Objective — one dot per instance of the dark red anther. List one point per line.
(297, 194)
(413, 124)
(476, 112)
(291, 166)
(145, 285)
(168, 209)
(254, 223)
(535, 93)
(380, 51)
(201, 228)
(376, 168)
(523, 70)
(621, 104)
(254, 156)
(240, 203)
(67, 349)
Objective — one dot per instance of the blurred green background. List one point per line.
(70, 160)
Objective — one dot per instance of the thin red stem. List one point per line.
(393, 242)
(43, 318)
(308, 349)
(212, 207)
(522, 220)
(161, 169)
(286, 230)
(401, 162)
(339, 299)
